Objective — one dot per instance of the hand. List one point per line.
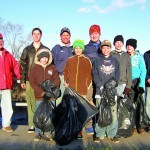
(66, 84)
(148, 81)
(126, 91)
(45, 97)
(23, 85)
(141, 90)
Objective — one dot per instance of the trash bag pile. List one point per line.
(71, 115)
(51, 89)
(18, 94)
(107, 100)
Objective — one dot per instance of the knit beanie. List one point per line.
(1, 36)
(132, 42)
(65, 29)
(79, 43)
(43, 54)
(95, 28)
(118, 38)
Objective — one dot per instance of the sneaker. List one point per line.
(79, 136)
(134, 131)
(141, 131)
(98, 139)
(115, 139)
(37, 137)
(8, 129)
(31, 130)
(90, 130)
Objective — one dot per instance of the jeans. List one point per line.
(111, 129)
(37, 103)
(62, 87)
(6, 107)
(148, 101)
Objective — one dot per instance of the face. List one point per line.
(65, 37)
(130, 49)
(95, 37)
(78, 51)
(36, 36)
(118, 45)
(44, 60)
(1, 44)
(106, 50)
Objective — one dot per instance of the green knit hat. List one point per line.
(79, 43)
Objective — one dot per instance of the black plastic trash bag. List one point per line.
(125, 117)
(105, 115)
(141, 115)
(51, 89)
(70, 116)
(43, 116)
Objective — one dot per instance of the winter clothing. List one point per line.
(78, 70)
(131, 42)
(103, 70)
(65, 29)
(119, 38)
(106, 43)
(147, 62)
(138, 69)
(43, 54)
(9, 69)
(27, 61)
(95, 28)
(125, 67)
(92, 50)
(40, 73)
(79, 43)
(60, 55)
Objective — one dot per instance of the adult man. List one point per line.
(26, 62)
(61, 52)
(124, 60)
(9, 69)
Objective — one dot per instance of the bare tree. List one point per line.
(14, 37)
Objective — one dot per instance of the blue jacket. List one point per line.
(138, 68)
(103, 70)
(147, 62)
(92, 50)
(60, 55)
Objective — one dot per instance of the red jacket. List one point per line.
(9, 68)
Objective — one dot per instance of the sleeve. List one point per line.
(147, 63)
(129, 73)
(142, 67)
(66, 71)
(95, 74)
(55, 77)
(24, 65)
(32, 80)
(89, 73)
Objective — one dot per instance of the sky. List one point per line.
(130, 18)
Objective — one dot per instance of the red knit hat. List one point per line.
(95, 28)
(1, 36)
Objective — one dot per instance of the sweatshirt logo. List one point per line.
(107, 69)
(50, 72)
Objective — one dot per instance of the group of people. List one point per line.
(85, 68)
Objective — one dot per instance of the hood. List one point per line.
(36, 61)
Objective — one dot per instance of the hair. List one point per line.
(34, 29)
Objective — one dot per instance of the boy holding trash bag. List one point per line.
(42, 71)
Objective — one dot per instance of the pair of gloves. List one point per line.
(127, 90)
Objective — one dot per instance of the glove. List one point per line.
(141, 90)
(126, 91)
(45, 97)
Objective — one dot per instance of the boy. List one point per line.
(78, 71)
(41, 71)
(105, 67)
